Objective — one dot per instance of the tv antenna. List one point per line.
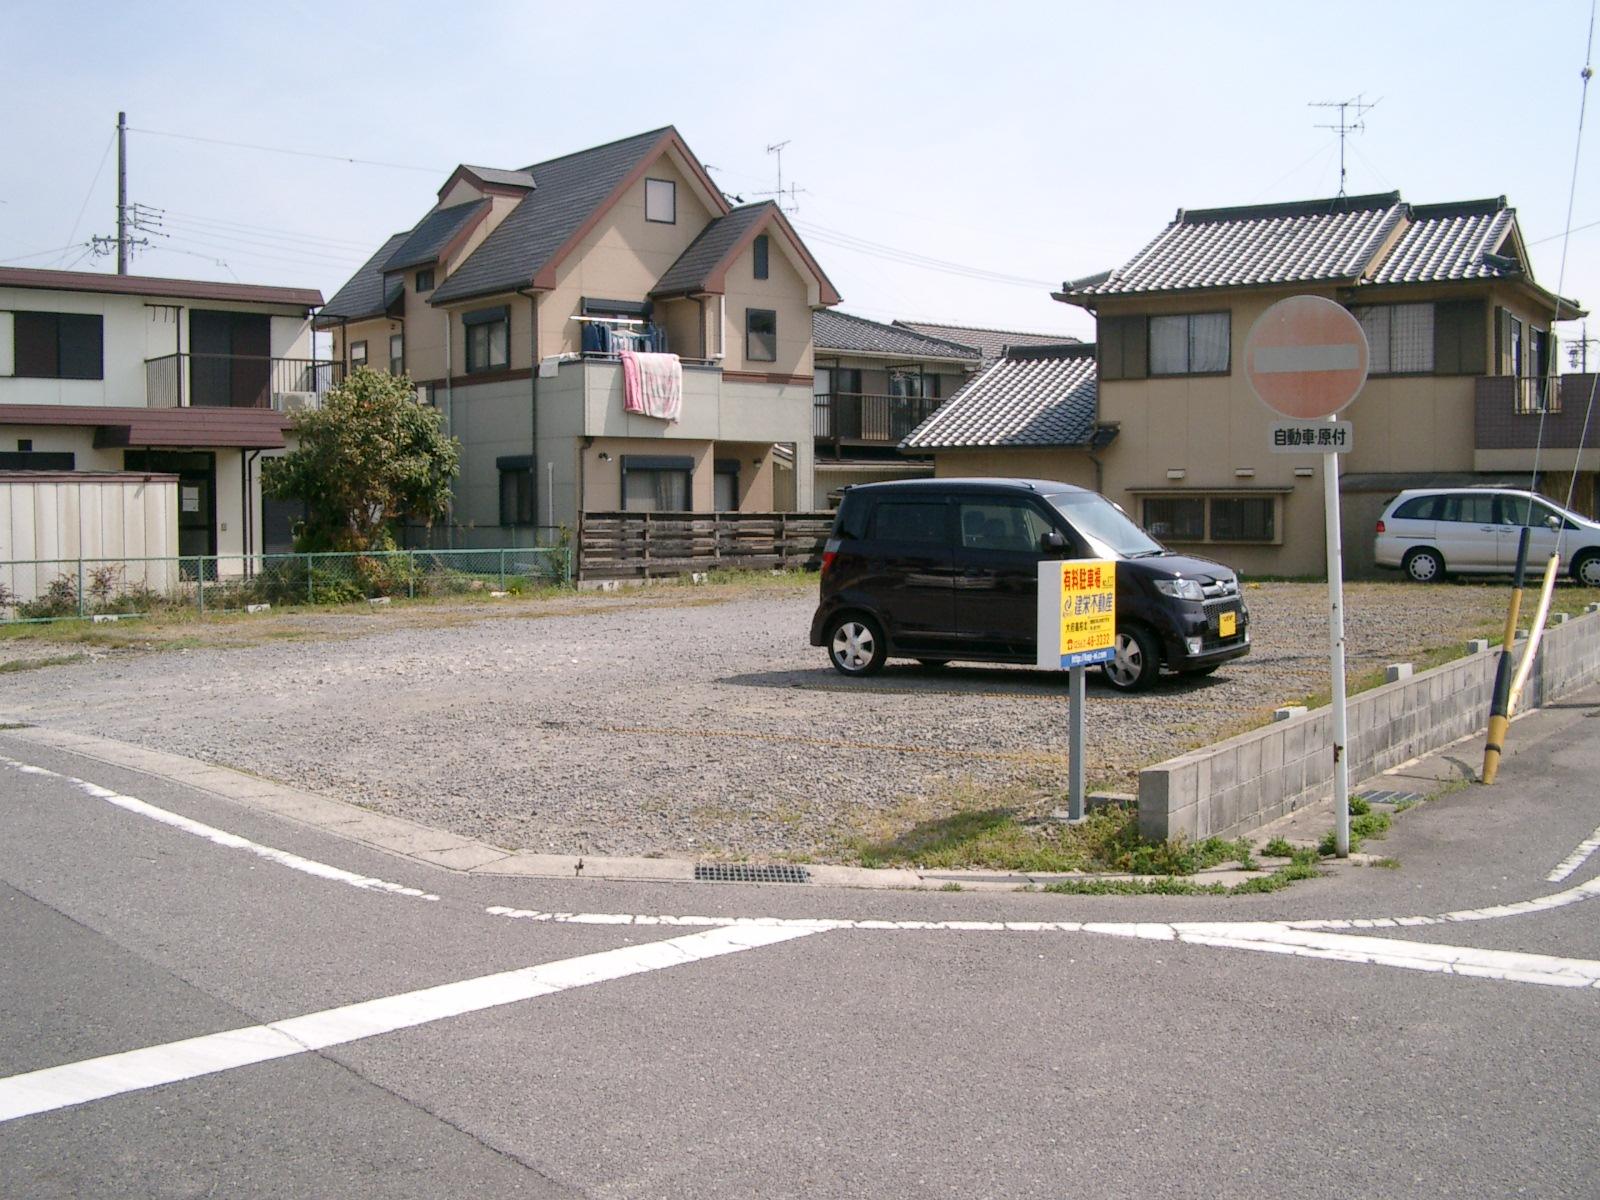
(792, 192)
(1352, 115)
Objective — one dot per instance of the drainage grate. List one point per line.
(750, 873)
(1375, 796)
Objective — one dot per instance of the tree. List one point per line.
(369, 457)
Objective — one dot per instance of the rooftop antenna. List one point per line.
(1351, 114)
(793, 191)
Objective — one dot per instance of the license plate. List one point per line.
(1227, 624)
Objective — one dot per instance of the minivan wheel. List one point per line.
(1424, 566)
(1138, 660)
(1586, 570)
(856, 645)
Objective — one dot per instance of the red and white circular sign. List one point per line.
(1306, 357)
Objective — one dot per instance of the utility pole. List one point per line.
(1356, 108)
(122, 193)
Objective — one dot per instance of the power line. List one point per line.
(342, 158)
(72, 238)
(845, 241)
(61, 250)
(249, 227)
(328, 254)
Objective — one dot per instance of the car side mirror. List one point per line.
(1052, 539)
(1553, 522)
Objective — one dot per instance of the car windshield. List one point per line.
(1105, 525)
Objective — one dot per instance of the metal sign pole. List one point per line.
(1075, 687)
(1341, 776)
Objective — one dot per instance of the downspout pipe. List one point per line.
(533, 416)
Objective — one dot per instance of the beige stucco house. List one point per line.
(1461, 346)
(508, 303)
(109, 379)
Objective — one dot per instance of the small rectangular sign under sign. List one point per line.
(1312, 437)
(1077, 624)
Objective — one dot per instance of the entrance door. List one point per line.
(230, 359)
(197, 494)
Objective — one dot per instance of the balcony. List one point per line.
(238, 381)
(1511, 411)
(859, 419)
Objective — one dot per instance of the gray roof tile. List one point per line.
(567, 192)
(523, 178)
(847, 334)
(991, 343)
(1304, 242)
(431, 235)
(364, 295)
(1450, 241)
(702, 255)
(1034, 396)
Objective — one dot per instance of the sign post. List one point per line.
(1077, 627)
(1306, 358)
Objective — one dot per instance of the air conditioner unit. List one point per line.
(289, 402)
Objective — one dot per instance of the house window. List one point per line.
(424, 280)
(358, 354)
(488, 339)
(1399, 338)
(759, 252)
(58, 345)
(725, 486)
(653, 483)
(661, 201)
(1242, 518)
(760, 335)
(397, 354)
(1176, 518)
(37, 460)
(1193, 344)
(516, 490)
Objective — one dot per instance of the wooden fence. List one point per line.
(635, 545)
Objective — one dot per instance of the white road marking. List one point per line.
(1284, 360)
(222, 837)
(1302, 938)
(1576, 859)
(116, 1074)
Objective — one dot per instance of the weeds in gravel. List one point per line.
(1278, 848)
(1388, 864)
(1304, 866)
(1367, 825)
(34, 664)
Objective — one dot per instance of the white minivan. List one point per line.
(1429, 532)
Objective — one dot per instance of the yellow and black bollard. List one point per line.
(1499, 706)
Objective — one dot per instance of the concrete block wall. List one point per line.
(1241, 784)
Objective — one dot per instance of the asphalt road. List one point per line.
(187, 993)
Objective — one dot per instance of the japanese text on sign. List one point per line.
(1312, 437)
(1088, 611)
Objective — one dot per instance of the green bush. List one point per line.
(60, 599)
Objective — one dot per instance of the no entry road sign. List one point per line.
(1306, 357)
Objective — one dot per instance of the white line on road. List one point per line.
(116, 1074)
(1576, 859)
(222, 837)
(1268, 936)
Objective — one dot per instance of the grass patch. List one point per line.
(1367, 825)
(1304, 866)
(15, 665)
(1387, 864)
(1279, 848)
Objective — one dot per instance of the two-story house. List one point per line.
(1461, 338)
(510, 302)
(103, 375)
(873, 384)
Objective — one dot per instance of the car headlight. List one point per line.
(1180, 589)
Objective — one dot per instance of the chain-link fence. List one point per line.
(56, 589)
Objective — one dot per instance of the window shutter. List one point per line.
(1458, 337)
(36, 345)
(1136, 348)
(1110, 339)
(1502, 340)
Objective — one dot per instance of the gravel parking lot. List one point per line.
(677, 721)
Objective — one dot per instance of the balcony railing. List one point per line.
(860, 417)
(1511, 411)
(237, 381)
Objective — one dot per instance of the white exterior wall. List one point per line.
(93, 518)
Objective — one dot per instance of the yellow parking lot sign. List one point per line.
(1077, 613)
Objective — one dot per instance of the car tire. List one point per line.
(1137, 664)
(1586, 569)
(1423, 566)
(856, 645)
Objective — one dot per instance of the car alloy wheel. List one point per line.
(856, 647)
(1587, 570)
(1135, 663)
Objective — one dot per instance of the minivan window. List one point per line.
(1418, 508)
(1101, 521)
(1000, 525)
(1471, 509)
(908, 521)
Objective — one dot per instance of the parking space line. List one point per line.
(1576, 859)
(222, 837)
(136, 1070)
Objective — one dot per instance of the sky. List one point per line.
(956, 161)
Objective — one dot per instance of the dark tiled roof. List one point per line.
(432, 234)
(150, 285)
(991, 343)
(1304, 242)
(1034, 396)
(364, 294)
(523, 178)
(568, 191)
(857, 335)
(1450, 241)
(707, 251)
